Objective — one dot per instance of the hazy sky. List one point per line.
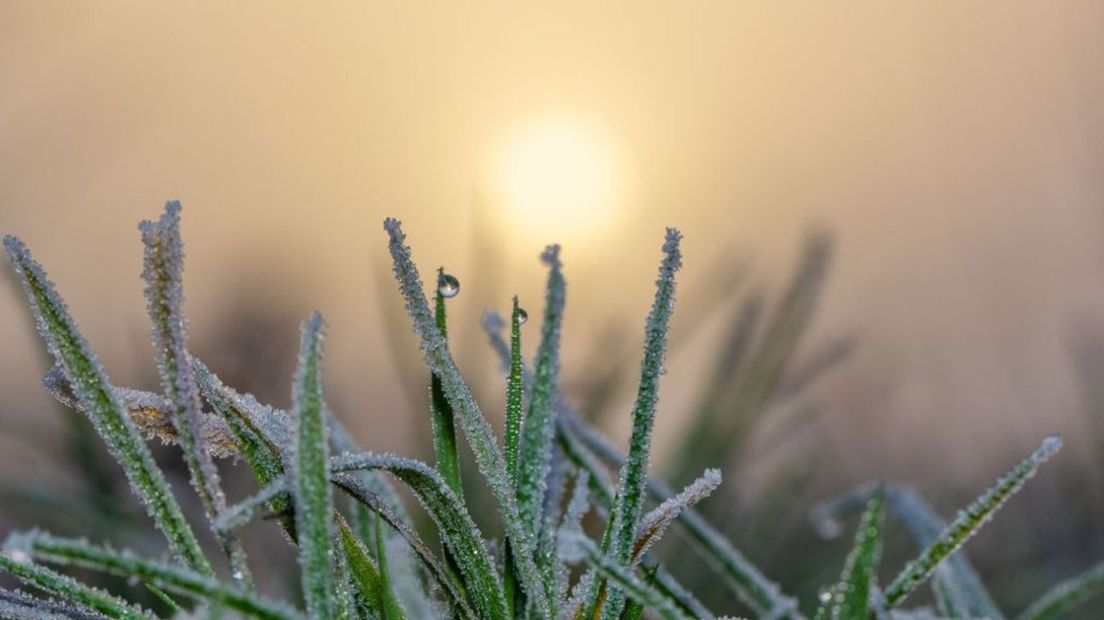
(954, 149)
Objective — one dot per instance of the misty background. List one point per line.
(949, 156)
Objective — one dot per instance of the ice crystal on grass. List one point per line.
(851, 596)
(535, 448)
(478, 431)
(96, 397)
(151, 413)
(969, 521)
(621, 529)
(1065, 596)
(163, 273)
(166, 577)
(15, 604)
(453, 522)
(655, 523)
(313, 496)
(365, 559)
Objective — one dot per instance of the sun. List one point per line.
(558, 179)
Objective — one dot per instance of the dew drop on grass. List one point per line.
(523, 316)
(448, 285)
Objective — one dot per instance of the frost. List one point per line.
(355, 488)
(634, 473)
(170, 578)
(489, 459)
(242, 513)
(150, 413)
(461, 534)
(578, 547)
(535, 447)
(311, 477)
(97, 399)
(15, 604)
(655, 523)
(163, 273)
(851, 597)
(1066, 595)
(968, 522)
(583, 444)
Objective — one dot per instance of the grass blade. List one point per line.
(585, 446)
(163, 273)
(851, 597)
(456, 526)
(356, 488)
(956, 586)
(97, 398)
(16, 604)
(444, 422)
(620, 577)
(1066, 595)
(67, 588)
(655, 523)
(511, 437)
(261, 455)
(169, 578)
(621, 528)
(535, 448)
(311, 477)
(968, 522)
(477, 430)
(368, 578)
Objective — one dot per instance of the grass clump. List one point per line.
(546, 472)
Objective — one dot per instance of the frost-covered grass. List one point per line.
(361, 555)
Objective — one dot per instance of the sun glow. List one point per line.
(558, 180)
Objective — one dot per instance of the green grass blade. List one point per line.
(455, 525)
(311, 480)
(477, 429)
(956, 586)
(368, 577)
(1065, 596)
(356, 488)
(169, 578)
(756, 591)
(16, 604)
(585, 446)
(634, 610)
(261, 455)
(535, 447)
(391, 602)
(163, 273)
(444, 422)
(97, 398)
(629, 500)
(511, 437)
(968, 522)
(69, 589)
(655, 523)
(851, 598)
(621, 577)
(164, 598)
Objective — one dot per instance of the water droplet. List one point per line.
(523, 316)
(825, 594)
(448, 285)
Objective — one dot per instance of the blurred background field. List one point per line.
(894, 220)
